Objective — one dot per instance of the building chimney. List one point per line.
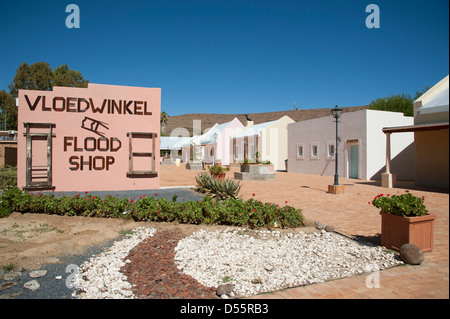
(249, 121)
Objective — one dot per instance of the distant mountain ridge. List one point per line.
(208, 120)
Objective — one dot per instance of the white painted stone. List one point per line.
(32, 285)
(280, 260)
(100, 277)
(38, 273)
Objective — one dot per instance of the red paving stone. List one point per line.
(351, 215)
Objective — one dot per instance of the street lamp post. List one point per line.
(336, 112)
(336, 188)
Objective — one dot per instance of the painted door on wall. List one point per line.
(354, 169)
(39, 155)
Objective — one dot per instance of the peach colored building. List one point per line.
(103, 137)
(431, 139)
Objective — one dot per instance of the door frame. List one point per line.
(348, 157)
(48, 183)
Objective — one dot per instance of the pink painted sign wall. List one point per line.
(104, 137)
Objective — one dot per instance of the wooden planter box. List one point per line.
(399, 230)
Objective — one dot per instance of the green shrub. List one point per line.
(403, 205)
(218, 169)
(232, 211)
(8, 200)
(8, 176)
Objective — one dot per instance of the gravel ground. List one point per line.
(253, 262)
(154, 274)
(101, 278)
(50, 287)
(262, 261)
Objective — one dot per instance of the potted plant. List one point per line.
(218, 172)
(405, 219)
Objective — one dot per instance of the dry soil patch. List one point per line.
(31, 240)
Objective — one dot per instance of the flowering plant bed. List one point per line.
(405, 219)
(233, 212)
(402, 205)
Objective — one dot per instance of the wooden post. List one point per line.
(130, 152)
(153, 153)
(49, 156)
(28, 156)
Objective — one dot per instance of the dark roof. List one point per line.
(208, 119)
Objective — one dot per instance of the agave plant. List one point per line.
(222, 189)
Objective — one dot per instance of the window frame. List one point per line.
(316, 145)
(298, 146)
(331, 156)
(152, 155)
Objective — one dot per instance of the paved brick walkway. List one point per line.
(351, 215)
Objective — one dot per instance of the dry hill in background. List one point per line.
(208, 120)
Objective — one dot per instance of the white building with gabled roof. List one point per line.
(268, 140)
(214, 144)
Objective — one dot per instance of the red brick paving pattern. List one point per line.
(350, 214)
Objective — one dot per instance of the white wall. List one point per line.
(362, 127)
(277, 146)
(225, 143)
(240, 141)
(321, 132)
(271, 143)
(402, 148)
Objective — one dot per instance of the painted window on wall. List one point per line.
(330, 151)
(314, 151)
(141, 159)
(300, 151)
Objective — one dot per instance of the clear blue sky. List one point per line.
(222, 56)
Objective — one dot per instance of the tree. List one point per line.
(63, 76)
(38, 76)
(395, 103)
(421, 92)
(8, 108)
(163, 119)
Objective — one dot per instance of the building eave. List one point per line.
(417, 128)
